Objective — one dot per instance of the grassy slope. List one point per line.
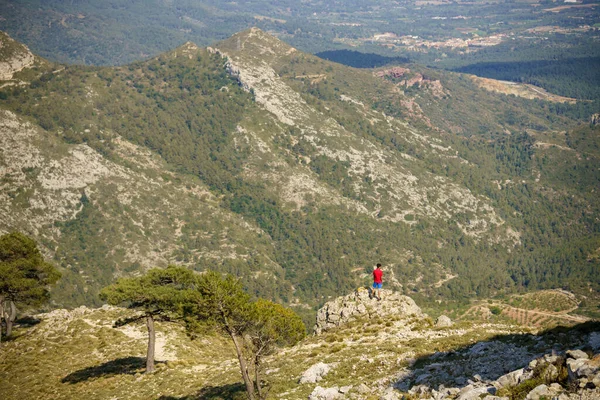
(78, 354)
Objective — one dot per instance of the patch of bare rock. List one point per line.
(562, 376)
(554, 365)
(315, 373)
(16, 57)
(362, 304)
(572, 375)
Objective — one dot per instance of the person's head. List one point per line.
(378, 265)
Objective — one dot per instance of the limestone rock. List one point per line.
(362, 388)
(345, 389)
(343, 309)
(315, 373)
(511, 379)
(321, 393)
(472, 392)
(577, 354)
(544, 392)
(583, 368)
(389, 394)
(443, 322)
(15, 57)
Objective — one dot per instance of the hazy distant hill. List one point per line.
(296, 174)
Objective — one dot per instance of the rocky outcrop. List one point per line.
(315, 373)
(14, 57)
(569, 375)
(361, 303)
(443, 322)
(321, 393)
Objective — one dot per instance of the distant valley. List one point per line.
(291, 146)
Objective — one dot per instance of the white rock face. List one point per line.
(401, 191)
(360, 303)
(511, 379)
(44, 182)
(321, 393)
(315, 373)
(443, 322)
(14, 57)
(471, 392)
(53, 185)
(577, 354)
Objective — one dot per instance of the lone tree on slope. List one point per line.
(274, 326)
(24, 276)
(157, 294)
(255, 328)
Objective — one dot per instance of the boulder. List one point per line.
(360, 303)
(362, 388)
(550, 373)
(582, 368)
(472, 392)
(321, 393)
(315, 373)
(544, 392)
(390, 394)
(511, 379)
(577, 354)
(443, 322)
(345, 389)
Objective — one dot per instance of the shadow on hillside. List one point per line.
(27, 321)
(120, 366)
(488, 360)
(232, 391)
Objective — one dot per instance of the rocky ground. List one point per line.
(362, 348)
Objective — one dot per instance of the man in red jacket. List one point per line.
(377, 281)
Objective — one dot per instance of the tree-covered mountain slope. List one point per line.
(296, 174)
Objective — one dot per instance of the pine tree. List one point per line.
(24, 276)
(158, 294)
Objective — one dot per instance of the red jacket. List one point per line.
(377, 275)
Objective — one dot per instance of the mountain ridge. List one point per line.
(295, 174)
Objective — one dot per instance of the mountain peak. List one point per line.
(256, 42)
(186, 49)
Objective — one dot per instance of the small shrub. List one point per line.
(336, 348)
(496, 310)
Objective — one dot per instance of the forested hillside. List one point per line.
(296, 174)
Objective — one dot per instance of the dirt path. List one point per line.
(538, 318)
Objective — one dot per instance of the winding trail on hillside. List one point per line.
(521, 314)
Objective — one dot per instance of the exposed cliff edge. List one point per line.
(14, 57)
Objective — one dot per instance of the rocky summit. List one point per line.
(363, 304)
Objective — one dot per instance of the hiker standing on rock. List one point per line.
(377, 281)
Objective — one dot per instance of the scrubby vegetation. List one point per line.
(186, 107)
(25, 277)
